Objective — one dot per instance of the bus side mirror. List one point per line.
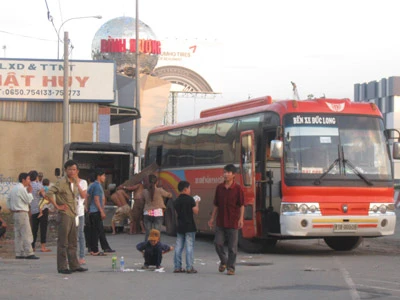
(396, 150)
(57, 172)
(276, 149)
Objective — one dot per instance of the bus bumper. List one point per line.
(352, 225)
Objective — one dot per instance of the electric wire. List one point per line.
(26, 36)
(50, 18)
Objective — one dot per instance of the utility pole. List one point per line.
(137, 89)
(66, 119)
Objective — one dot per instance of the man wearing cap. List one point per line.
(153, 250)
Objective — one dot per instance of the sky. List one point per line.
(325, 47)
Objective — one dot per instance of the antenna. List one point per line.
(295, 93)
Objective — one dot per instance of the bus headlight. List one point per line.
(303, 209)
(390, 207)
(300, 208)
(381, 208)
(289, 207)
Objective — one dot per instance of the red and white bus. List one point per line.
(317, 168)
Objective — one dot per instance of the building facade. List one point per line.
(385, 93)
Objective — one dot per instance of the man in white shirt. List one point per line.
(18, 202)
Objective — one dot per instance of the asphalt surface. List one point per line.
(38, 279)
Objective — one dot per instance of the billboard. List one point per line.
(202, 57)
(43, 80)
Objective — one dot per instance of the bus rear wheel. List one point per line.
(170, 220)
(343, 243)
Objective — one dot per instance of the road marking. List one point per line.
(346, 275)
(379, 288)
(380, 281)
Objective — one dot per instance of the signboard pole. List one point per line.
(65, 93)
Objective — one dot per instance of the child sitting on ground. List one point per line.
(43, 203)
(153, 250)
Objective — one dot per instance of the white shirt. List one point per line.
(19, 198)
(80, 208)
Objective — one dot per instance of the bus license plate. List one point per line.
(344, 227)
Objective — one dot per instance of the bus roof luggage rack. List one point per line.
(236, 106)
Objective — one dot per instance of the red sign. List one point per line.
(120, 46)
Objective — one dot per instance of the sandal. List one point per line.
(98, 254)
(222, 268)
(230, 272)
(179, 270)
(45, 250)
(191, 271)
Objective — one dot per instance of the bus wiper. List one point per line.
(319, 179)
(358, 173)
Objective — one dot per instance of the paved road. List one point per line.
(300, 270)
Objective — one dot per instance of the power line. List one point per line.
(50, 18)
(26, 36)
(61, 15)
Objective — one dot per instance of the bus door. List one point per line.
(248, 181)
(269, 193)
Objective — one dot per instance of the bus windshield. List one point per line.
(332, 146)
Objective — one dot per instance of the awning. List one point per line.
(121, 114)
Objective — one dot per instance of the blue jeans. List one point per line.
(81, 237)
(184, 240)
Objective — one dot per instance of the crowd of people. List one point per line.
(80, 204)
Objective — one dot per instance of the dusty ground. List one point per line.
(7, 244)
(389, 245)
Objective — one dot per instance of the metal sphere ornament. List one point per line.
(116, 40)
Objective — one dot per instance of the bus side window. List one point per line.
(159, 155)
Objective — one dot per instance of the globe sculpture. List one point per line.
(124, 29)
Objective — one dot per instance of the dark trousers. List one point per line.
(86, 231)
(153, 258)
(97, 233)
(2, 231)
(231, 236)
(40, 223)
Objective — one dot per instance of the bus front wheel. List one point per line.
(255, 246)
(343, 243)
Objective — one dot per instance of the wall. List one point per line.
(37, 146)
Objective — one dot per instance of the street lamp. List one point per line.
(58, 32)
(66, 118)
